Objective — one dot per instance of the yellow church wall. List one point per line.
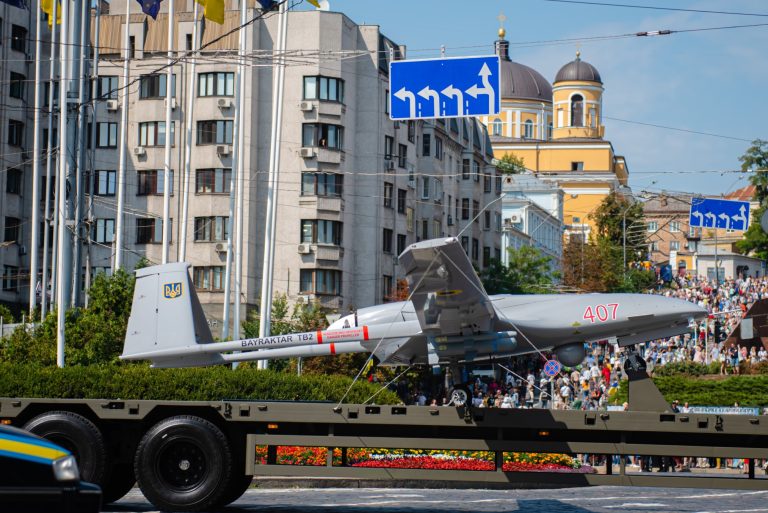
(545, 159)
(563, 90)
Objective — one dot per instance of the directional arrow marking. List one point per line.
(742, 216)
(405, 95)
(452, 92)
(712, 216)
(725, 217)
(473, 91)
(700, 216)
(428, 93)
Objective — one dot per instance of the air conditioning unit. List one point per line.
(112, 105)
(305, 249)
(220, 247)
(224, 103)
(307, 153)
(514, 218)
(223, 150)
(173, 103)
(306, 106)
(139, 151)
(390, 165)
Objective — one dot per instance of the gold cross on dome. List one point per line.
(502, 18)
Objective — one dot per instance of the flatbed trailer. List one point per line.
(194, 455)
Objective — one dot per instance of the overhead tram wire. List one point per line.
(658, 8)
(679, 129)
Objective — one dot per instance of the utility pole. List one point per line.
(169, 133)
(35, 168)
(118, 261)
(94, 103)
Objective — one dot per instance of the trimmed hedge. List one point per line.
(196, 384)
(745, 390)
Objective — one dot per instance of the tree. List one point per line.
(528, 272)
(510, 164)
(615, 219)
(756, 159)
(597, 266)
(6, 315)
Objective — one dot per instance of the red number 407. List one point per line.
(601, 313)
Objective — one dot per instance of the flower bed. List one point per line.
(426, 459)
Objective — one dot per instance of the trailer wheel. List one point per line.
(236, 488)
(183, 463)
(121, 480)
(79, 436)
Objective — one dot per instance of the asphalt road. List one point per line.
(601, 499)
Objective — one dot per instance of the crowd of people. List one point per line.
(521, 382)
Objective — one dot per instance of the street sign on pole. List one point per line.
(715, 213)
(444, 88)
(552, 368)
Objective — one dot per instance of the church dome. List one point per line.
(578, 70)
(518, 81)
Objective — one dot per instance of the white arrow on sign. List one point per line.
(473, 91)
(741, 217)
(700, 216)
(428, 93)
(714, 220)
(405, 95)
(725, 217)
(452, 92)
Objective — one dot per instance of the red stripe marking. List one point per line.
(333, 348)
(319, 337)
(365, 332)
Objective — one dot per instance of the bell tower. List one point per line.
(577, 97)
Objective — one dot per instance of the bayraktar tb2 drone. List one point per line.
(449, 320)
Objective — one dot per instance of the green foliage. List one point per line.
(136, 381)
(510, 164)
(598, 266)
(745, 390)
(756, 159)
(686, 368)
(528, 272)
(617, 217)
(94, 334)
(6, 315)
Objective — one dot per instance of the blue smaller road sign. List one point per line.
(552, 368)
(443, 88)
(715, 213)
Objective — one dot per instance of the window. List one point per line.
(188, 41)
(386, 101)
(388, 192)
(321, 231)
(212, 228)
(324, 88)
(486, 220)
(653, 226)
(104, 183)
(17, 86)
(426, 145)
(439, 148)
(386, 241)
(487, 183)
(152, 182)
(106, 135)
(216, 84)
(654, 246)
(528, 129)
(411, 131)
(132, 47)
(104, 231)
(322, 135)
(437, 228)
(465, 244)
(152, 133)
(465, 169)
(210, 278)
(320, 281)
(402, 194)
(107, 87)
(12, 229)
(212, 181)
(425, 187)
(14, 180)
(409, 219)
(10, 278)
(498, 183)
(577, 166)
(674, 226)
(214, 132)
(425, 229)
(18, 38)
(465, 208)
(693, 246)
(322, 184)
(674, 245)
(15, 132)
(387, 289)
(400, 243)
(47, 92)
(402, 155)
(475, 249)
(476, 211)
(149, 230)
(577, 110)
(389, 144)
(475, 170)
(153, 86)
(496, 127)
(486, 256)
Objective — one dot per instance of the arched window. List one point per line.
(528, 132)
(577, 110)
(496, 127)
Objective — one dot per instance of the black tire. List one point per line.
(183, 463)
(79, 436)
(236, 488)
(120, 481)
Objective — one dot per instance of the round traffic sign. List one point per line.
(552, 368)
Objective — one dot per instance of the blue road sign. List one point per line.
(715, 213)
(444, 88)
(552, 368)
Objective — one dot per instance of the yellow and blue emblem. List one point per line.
(172, 290)
(29, 448)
